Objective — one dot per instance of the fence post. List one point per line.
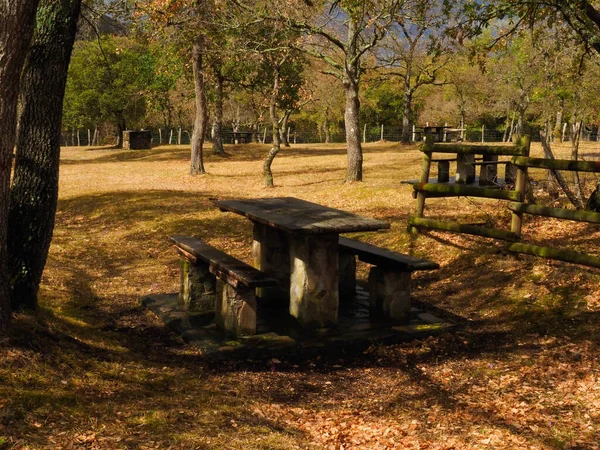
(89, 138)
(159, 136)
(425, 168)
(521, 183)
(414, 134)
(381, 132)
(365, 134)
(482, 133)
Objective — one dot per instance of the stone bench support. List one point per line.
(197, 291)
(236, 309)
(347, 273)
(213, 281)
(389, 293)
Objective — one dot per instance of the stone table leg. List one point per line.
(271, 253)
(314, 298)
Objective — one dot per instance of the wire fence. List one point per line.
(180, 136)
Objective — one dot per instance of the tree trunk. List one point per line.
(575, 156)
(407, 111)
(556, 134)
(121, 127)
(283, 129)
(352, 125)
(326, 126)
(16, 25)
(217, 141)
(197, 163)
(267, 173)
(34, 190)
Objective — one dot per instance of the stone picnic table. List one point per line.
(296, 242)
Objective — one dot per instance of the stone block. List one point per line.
(443, 171)
(236, 309)
(197, 292)
(271, 253)
(137, 140)
(488, 172)
(314, 292)
(465, 170)
(347, 274)
(510, 173)
(389, 293)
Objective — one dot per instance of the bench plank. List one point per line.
(221, 263)
(381, 256)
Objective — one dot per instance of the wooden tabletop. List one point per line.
(296, 216)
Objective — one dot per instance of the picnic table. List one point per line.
(296, 242)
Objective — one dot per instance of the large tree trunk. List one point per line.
(352, 125)
(34, 190)
(197, 163)
(217, 141)
(407, 109)
(16, 25)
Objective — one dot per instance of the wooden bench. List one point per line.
(212, 280)
(389, 279)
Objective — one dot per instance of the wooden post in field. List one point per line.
(425, 169)
(523, 143)
(89, 137)
(414, 134)
(171, 136)
(482, 133)
(381, 132)
(365, 134)
(159, 136)
(179, 136)
(265, 135)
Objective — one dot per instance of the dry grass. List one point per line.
(94, 370)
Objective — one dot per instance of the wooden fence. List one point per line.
(512, 189)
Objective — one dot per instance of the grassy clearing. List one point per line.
(94, 370)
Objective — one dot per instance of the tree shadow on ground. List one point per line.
(96, 327)
(237, 153)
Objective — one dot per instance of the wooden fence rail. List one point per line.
(466, 176)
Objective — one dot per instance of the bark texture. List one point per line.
(16, 25)
(352, 125)
(34, 191)
(197, 163)
(267, 173)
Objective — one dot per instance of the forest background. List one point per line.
(132, 68)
